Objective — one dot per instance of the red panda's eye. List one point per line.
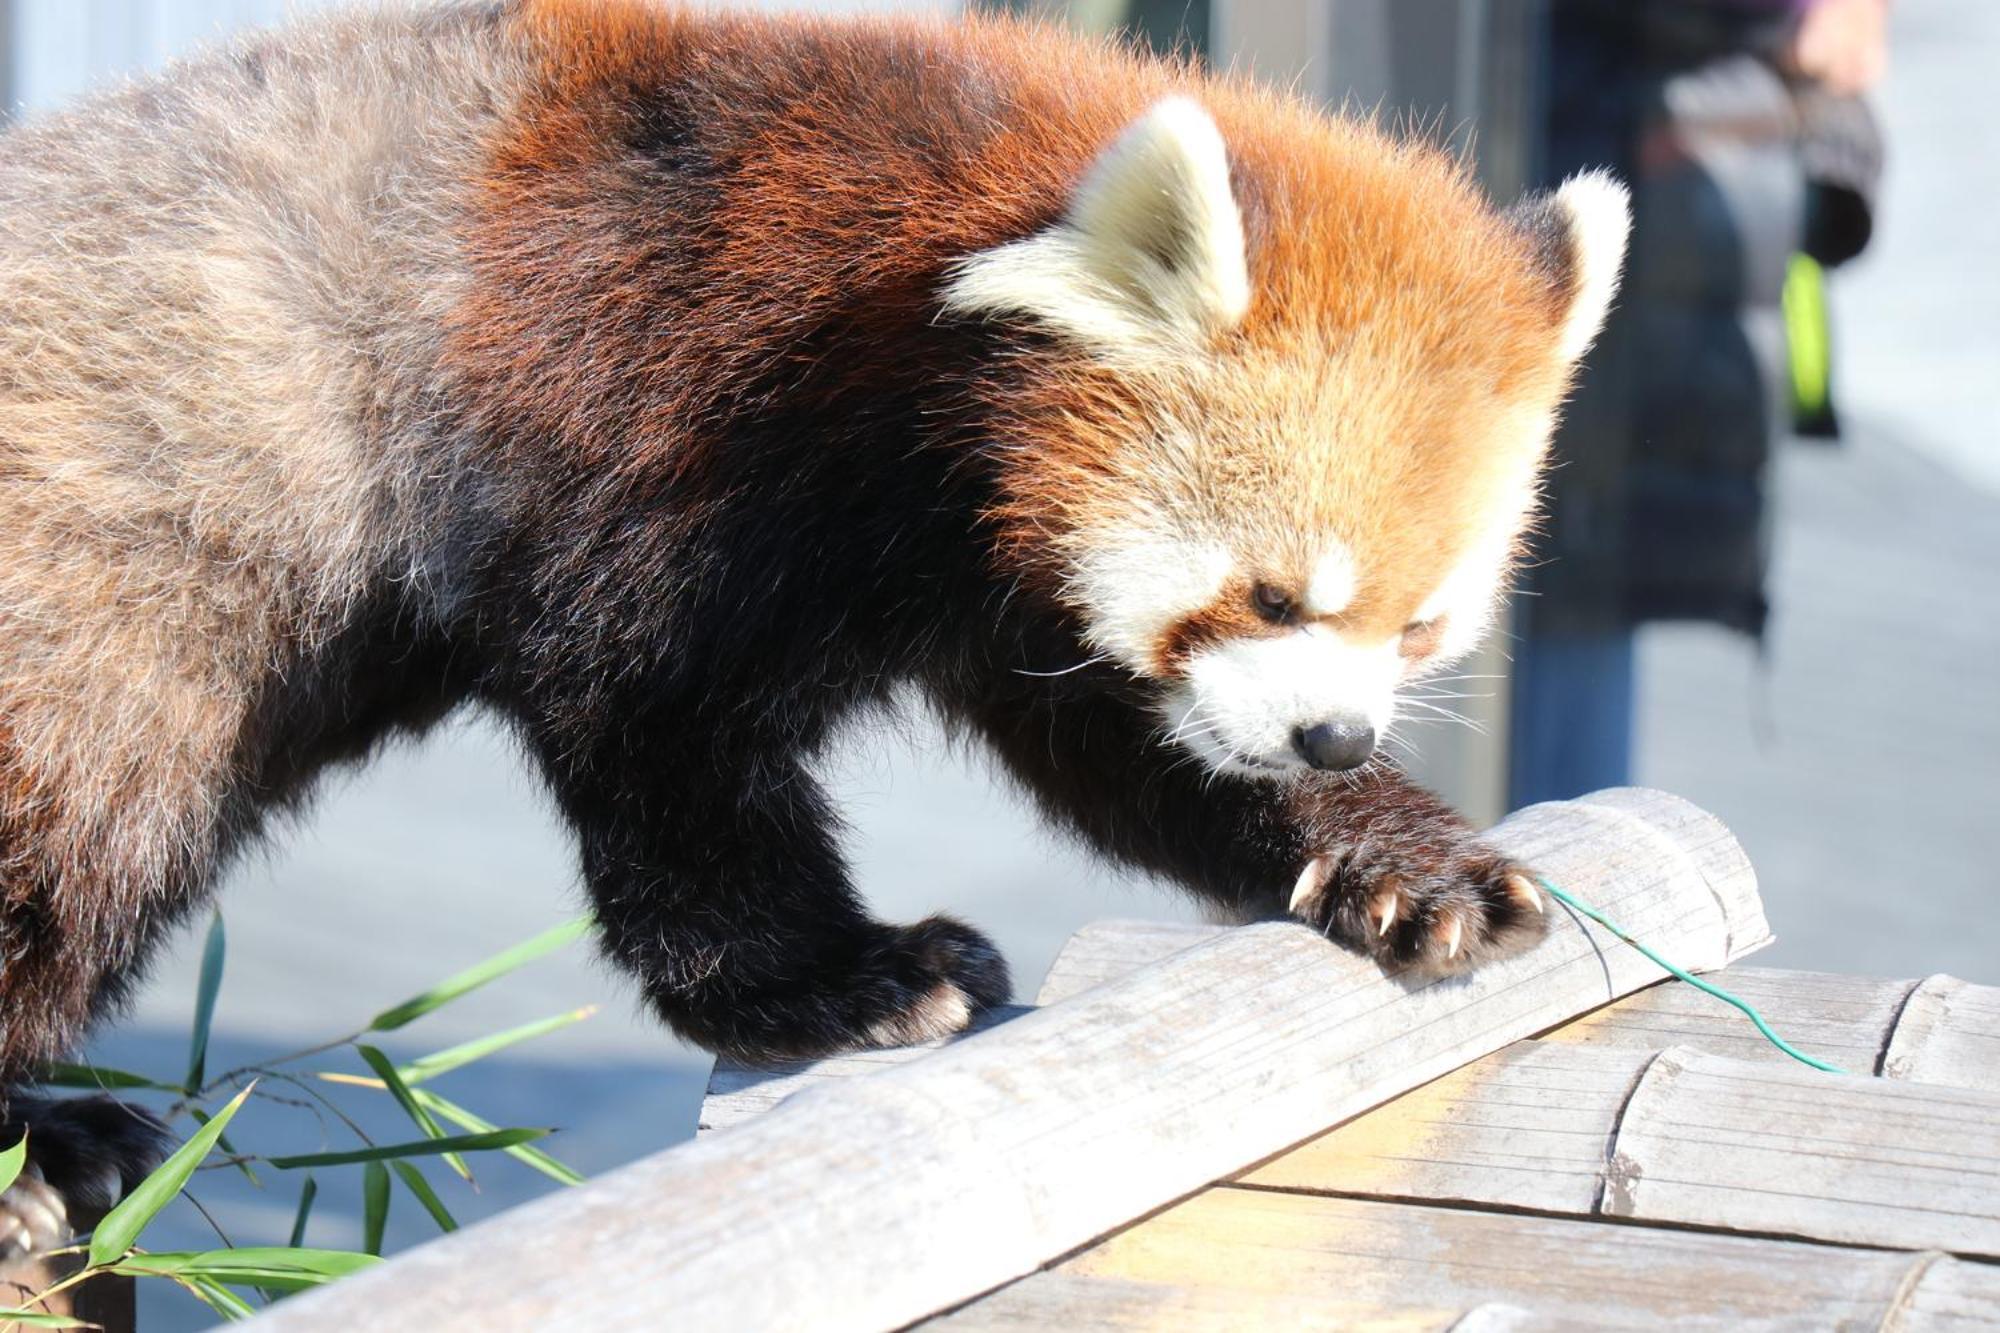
(1421, 637)
(1272, 602)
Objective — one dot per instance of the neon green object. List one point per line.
(1692, 980)
(1811, 349)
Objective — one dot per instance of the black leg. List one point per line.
(718, 884)
(84, 1154)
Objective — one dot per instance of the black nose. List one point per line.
(1335, 745)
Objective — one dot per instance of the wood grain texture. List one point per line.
(1107, 950)
(1062, 1300)
(1843, 1020)
(738, 1093)
(1711, 1142)
(1948, 1032)
(1527, 1127)
(1412, 1261)
(1940, 1030)
(875, 1201)
(1679, 1138)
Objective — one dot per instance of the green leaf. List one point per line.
(97, 1078)
(43, 1319)
(478, 975)
(426, 1196)
(122, 1225)
(430, 1066)
(385, 1069)
(499, 1138)
(11, 1162)
(204, 1003)
(201, 1117)
(274, 1266)
(218, 1298)
(374, 1206)
(522, 1152)
(307, 1193)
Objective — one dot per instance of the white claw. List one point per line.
(1311, 880)
(1456, 938)
(1388, 915)
(1527, 893)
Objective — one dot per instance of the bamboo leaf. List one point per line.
(97, 1078)
(218, 1298)
(43, 1319)
(275, 1266)
(212, 951)
(374, 1206)
(414, 1180)
(122, 1225)
(499, 1138)
(430, 1066)
(385, 1069)
(521, 1152)
(222, 1141)
(479, 974)
(11, 1162)
(307, 1193)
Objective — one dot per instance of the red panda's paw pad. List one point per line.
(1428, 910)
(938, 1012)
(33, 1219)
(896, 986)
(944, 972)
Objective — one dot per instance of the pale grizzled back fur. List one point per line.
(222, 288)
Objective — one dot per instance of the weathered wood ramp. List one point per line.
(891, 1187)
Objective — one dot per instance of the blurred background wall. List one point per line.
(1852, 748)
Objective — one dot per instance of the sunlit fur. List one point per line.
(676, 386)
(1363, 432)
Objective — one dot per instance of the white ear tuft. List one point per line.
(1148, 256)
(1597, 213)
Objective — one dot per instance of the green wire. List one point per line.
(1691, 979)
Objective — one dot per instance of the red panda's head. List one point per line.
(1284, 435)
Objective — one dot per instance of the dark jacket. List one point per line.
(1660, 508)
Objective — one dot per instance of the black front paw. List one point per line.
(34, 1219)
(948, 972)
(898, 986)
(1442, 903)
(84, 1154)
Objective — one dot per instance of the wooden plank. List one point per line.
(737, 1093)
(1712, 1142)
(875, 1201)
(1941, 1030)
(1679, 1138)
(1843, 1020)
(1079, 1301)
(1950, 1295)
(1107, 950)
(1527, 1127)
(1405, 1258)
(1948, 1032)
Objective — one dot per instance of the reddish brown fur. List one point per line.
(545, 507)
(839, 195)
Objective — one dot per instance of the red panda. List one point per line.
(675, 385)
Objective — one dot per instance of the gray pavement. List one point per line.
(1862, 767)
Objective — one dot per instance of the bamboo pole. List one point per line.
(880, 1200)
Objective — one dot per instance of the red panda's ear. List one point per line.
(1149, 256)
(1579, 234)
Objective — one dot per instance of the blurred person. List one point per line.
(1739, 125)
